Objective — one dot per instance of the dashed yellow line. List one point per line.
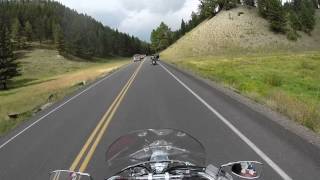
(100, 129)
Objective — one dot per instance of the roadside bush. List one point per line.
(294, 21)
(273, 80)
(307, 65)
(296, 109)
(292, 35)
(230, 5)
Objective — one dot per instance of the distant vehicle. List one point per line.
(142, 56)
(137, 57)
(154, 61)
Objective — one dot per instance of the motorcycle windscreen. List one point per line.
(68, 175)
(139, 146)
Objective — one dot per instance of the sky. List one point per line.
(136, 17)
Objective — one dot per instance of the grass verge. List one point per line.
(288, 83)
(46, 74)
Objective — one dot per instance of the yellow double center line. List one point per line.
(100, 129)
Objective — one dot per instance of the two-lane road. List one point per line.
(75, 133)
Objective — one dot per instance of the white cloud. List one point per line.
(155, 6)
(136, 17)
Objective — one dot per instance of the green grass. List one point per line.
(46, 73)
(246, 56)
(288, 83)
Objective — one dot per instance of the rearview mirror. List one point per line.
(247, 169)
(244, 169)
(69, 175)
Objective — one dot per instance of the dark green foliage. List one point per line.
(294, 20)
(230, 4)
(275, 13)
(262, 5)
(209, 8)
(79, 34)
(307, 16)
(28, 31)
(16, 33)
(8, 64)
(292, 35)
(58, 37)
(299, 14)
(183, 27)
(161, 37)
(249, 2)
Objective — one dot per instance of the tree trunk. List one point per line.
(4, 86)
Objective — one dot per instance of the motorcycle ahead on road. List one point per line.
(163, 154)
(154, 59)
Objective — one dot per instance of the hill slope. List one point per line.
(231, 33)
(241, 52)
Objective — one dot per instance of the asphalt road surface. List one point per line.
(76, 132)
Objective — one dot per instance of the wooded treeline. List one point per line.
(72, 33)
(286, 18)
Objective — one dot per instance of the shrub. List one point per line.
(307, 65)
(294, 21)
(277, 16)
(292, 35)
(273, 80)
(230, 4)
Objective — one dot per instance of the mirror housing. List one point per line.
(69, 175)
(244, 169)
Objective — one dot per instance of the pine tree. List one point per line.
(262, 6)
(276, 15)
(16, 33)
(61, 45)
(249, 2)
(40, 29)
(302, 15)
(183, 27)
(208, 8)
(58, 38)
(307, 16)
(295, 21)
(33, 20)
(8, 64)
(28, 31)
(194, 20)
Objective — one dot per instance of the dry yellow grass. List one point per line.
(56, 76)
(231, 34)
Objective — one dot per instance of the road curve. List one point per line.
(141, 96)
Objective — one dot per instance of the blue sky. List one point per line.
(136, 17)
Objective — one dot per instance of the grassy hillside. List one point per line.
(45, 73)
(231, 34)
(241, 53)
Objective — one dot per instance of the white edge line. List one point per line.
(58, 107)
(273, 165)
